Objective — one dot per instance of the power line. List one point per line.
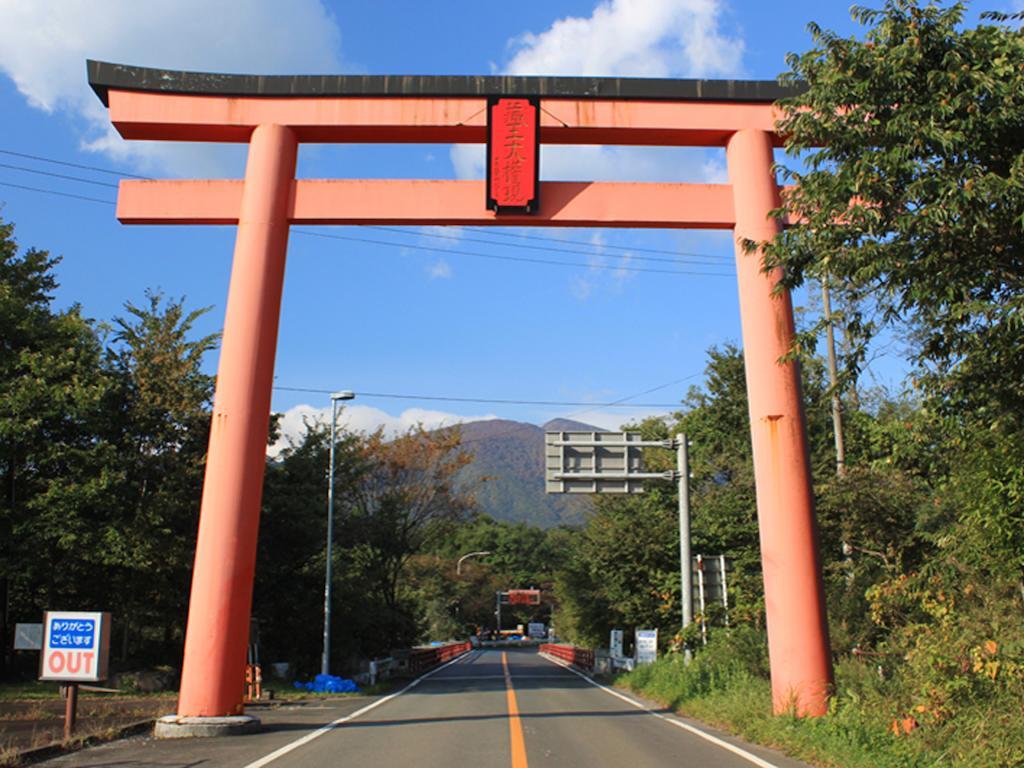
(54, 192)
(664, 251)
(593, 250)
(621, 402)
(575, 414)
(96, 168)
(494, 401)
(478, 230)
(474, 254)
(497, 257)
(57, 175)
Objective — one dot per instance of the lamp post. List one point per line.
(458, 565)
(325, 661)
(458, 572)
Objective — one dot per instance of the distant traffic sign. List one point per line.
(521, 597)
(615, 644)
(76, 646)
(598, 462)
(710, 580)
(28, 637)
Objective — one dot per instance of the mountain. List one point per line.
(507, 473)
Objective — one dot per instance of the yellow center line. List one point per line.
(515, 726)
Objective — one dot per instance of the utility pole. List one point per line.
(837, 413)
(833, 379)
(685, 558)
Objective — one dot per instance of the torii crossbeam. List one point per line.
(274, 114)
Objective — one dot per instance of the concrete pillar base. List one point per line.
(175, 727)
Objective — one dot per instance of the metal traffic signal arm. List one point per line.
(620, 472)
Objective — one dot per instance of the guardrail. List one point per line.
(578, 657)
(422, 659)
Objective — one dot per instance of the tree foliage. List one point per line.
(158, 422)
(57, 478)
(912, 188)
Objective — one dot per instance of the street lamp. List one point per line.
(325, 661)
(458, 565)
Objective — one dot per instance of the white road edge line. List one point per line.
(748, 756)
(282, 751)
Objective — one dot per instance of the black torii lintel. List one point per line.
(105, 75)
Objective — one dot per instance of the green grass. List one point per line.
(30, 690)
(43, 690)
(725, 690)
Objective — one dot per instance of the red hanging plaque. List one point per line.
(513, 155)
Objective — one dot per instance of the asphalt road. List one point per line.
(492, 708)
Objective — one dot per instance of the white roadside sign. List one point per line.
(646, 646)
(615, 644)
(76, 646)
(28, 637)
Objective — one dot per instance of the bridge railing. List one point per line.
(422, 659)
(578, 657)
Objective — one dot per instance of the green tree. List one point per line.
(622, 571)
(289, 588)
(521, 557)
(56, 475)
(912, 196)
(913, 187)
(401, 500)
(394, 503)
(159, 423)
(909, 193)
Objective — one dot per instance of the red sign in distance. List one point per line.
(524, 597)
(512, 155)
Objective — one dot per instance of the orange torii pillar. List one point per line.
(274, 114)
(793, 592)
(222, 580)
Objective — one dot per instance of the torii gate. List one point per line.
(275, 114)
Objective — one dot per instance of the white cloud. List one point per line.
(645, 38)
(440, 270)
(363, 418)
(609, 270)
(561, 162)
(714, 169)
(44, 45)
(621, 38)
(469, 160)
(581, 287)
(442, 236)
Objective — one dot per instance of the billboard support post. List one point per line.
(685, 569)
(70, 709)
(609, 462)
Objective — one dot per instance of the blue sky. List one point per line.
(399, 318)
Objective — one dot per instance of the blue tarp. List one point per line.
(328, 684)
